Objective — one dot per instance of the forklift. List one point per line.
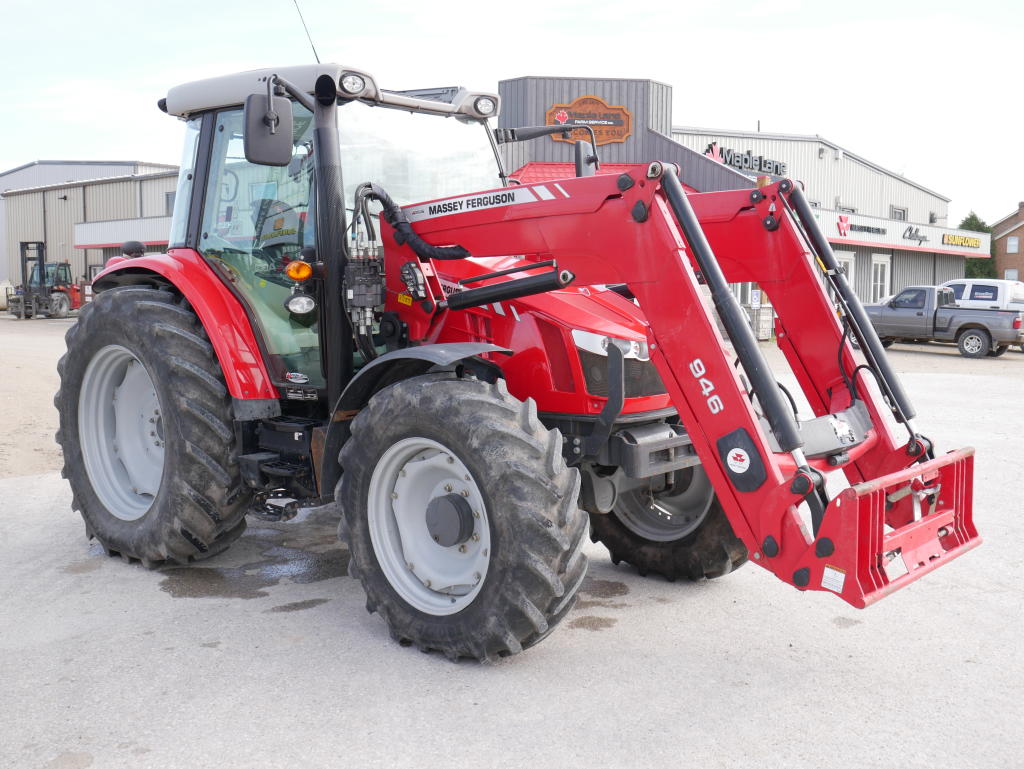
(46, 289)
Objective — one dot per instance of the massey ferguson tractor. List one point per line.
(359, 310)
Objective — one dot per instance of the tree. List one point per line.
(979, 268)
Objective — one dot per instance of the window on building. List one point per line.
(169, 203)
(1013, 244)
(984, 293)
(1011, 273)
(880, 276)
(899, 214)
(958, 290)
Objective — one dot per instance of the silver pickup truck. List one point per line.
(930, 313)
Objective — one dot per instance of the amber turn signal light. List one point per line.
(299, 271)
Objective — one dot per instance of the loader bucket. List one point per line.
(904, 525)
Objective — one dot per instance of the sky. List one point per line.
(931, 90)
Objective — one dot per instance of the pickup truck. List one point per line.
(930, 313)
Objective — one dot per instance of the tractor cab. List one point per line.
(253, 219)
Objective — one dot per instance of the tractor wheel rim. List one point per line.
(670, 515)
(121, 432)
(429, 576)
(972, 343)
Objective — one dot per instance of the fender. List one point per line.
(222, 315)
(389, 368)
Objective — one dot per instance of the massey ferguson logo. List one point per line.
(843, 225)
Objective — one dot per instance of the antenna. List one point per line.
(299, 10)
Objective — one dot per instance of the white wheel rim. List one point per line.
(972, 343)
(432, 578)
(121, 432)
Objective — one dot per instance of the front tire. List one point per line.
(60, 305)
(685, 534)
(461, 517)
(145, 426)
(974, 343)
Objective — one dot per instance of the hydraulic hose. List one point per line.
(404, 232)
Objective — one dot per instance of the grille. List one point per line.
(641, 377)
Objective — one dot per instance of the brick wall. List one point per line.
(1004, 260)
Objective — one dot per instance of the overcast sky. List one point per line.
(931, 90)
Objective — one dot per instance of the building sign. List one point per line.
(611, 123)
(852, 229)
(845, 227)
(745, 161)
(968, 241)
(914, 233)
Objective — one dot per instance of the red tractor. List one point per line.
(478, 381)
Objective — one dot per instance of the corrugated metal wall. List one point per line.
(526, 100)
(832, 177)
(67, 205)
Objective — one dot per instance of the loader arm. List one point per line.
(902, 514)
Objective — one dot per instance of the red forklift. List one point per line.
(46, 287)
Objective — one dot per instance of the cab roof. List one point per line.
(232, 90)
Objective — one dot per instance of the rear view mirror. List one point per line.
(268, 130)
(586, 159)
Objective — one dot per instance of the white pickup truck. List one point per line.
(988, 294)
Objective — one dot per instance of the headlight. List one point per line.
(485, 105)
(598, 344)
(300, 304)
(352, 84)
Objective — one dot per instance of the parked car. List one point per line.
(988, 294)
(931, 313)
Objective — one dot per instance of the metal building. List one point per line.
(887, 230)
(85, 222)
(40, 173)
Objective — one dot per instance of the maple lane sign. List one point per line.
(611, 123)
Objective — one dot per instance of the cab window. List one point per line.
(912, 299)
(257, 219)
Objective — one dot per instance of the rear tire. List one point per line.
(420, 437)
(1000, 350)
(705, 547)
(145, 426)
(974, 343)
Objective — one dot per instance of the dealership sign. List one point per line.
(611, 123)
(745, 161)
(860, 230)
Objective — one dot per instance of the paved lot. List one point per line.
(265, 657)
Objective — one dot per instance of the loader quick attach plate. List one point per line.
(888, 532)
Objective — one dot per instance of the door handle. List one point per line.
(919, 314)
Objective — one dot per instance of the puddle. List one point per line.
(265, 555)
(82, 567)
(604, 588)
(298, 605)
(592, 623)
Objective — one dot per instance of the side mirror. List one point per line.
(586, 159)
(268, 130)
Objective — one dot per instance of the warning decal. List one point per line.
(833, 579)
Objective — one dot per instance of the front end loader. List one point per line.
(475, 381)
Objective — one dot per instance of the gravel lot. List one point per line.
(265, 657)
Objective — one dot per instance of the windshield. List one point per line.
(414, 157)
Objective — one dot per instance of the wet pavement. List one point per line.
(264, 656)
